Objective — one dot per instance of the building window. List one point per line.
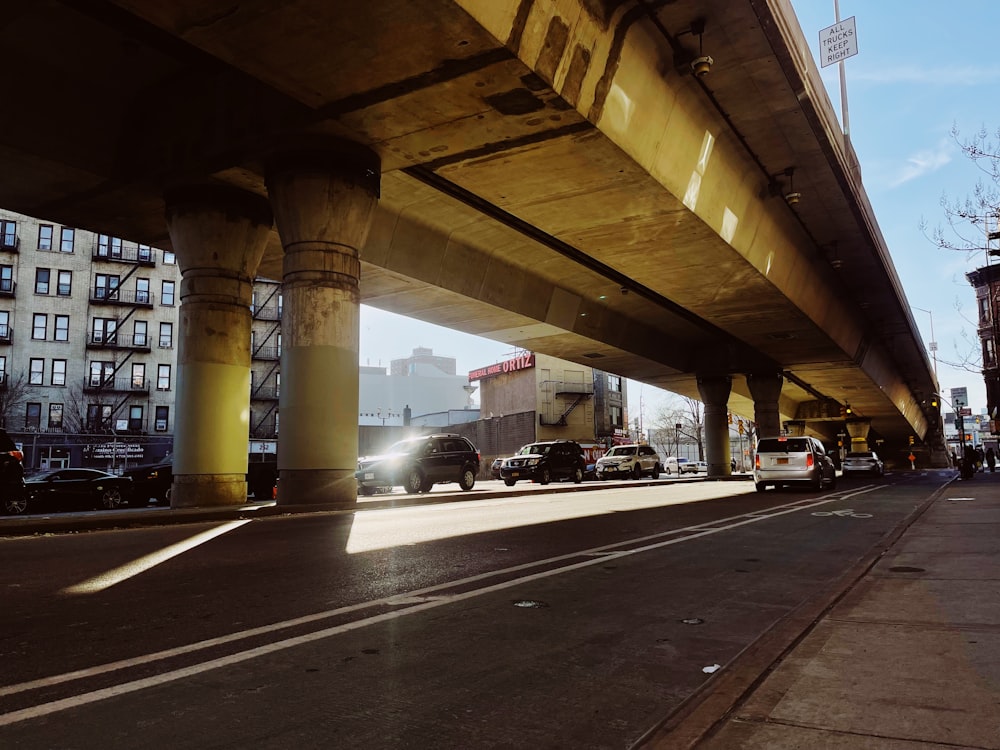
(3, 369)
(615, 416)
(33, 416)
(278, 339)
(103, 330)
(135, 418)
(98, 416)
(989, 353)
(277, 384)
(36, 371)
(615, 383)
(58, 372)
(984, 309)
(39, 326)
(145, 253)
(8, 234)
(138, 375)
(101, 372)
(169, 258)
(163, 377)
(166, 335)
(109, 247)
(104, 284)
(162, 416)
(142, 291)
(5, 325)
(167, 293)
(42, 280)
(55, 416)
(7, 279)
(64, 288)
(139, 333)
(66, 237)
(44, 236)
(61, 332)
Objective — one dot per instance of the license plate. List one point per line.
(515, 474)
(369, 475)
(781, 461)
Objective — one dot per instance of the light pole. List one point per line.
(932, 344)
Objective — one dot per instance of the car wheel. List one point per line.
(637, 472)
(110, 498)
(578, 475)
(468, 479)
(545, 478)
(833, 482)
(510, 482)
(15, 505)
(366, 491)
(817, 481)
(760, 486)
(414, 481)
(656, 472)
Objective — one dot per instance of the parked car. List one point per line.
(77, 489)
(670, 465)
(262, 479)
(863, 462)
(495, 468)
(150, 482)
(693, 467)
(545, 461)
(793, 460)
(629, 461)
(419, 463)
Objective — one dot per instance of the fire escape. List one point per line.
(571, 396)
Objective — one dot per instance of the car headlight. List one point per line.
(532, 462)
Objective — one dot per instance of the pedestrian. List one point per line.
(968, 462)
(732, 465)
(980, 457)
(991, 459)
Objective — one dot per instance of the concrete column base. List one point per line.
(208, 490)
(336, 487)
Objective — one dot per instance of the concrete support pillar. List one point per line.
(218, 234)
(714, 392)
(858, 430)
(766, 389)
(324, 199)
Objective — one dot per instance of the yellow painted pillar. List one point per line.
(714, 391)
(324, 198)
(218, 234)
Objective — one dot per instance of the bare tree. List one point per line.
(14, 392)
(972, 227)
(680, 419)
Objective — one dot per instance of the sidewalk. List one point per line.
(908, 658)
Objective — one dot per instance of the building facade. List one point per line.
(986, 281)
(87, 330)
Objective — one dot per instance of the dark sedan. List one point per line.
(151, 482)
(77, 489)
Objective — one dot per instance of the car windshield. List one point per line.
(861, 455)
(622, 450)
(535, 448)
(405, 446)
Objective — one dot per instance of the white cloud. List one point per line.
(924, 162)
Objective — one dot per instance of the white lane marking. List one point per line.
(45, 709)
(112, 577)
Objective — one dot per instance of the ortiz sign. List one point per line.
(523, 362)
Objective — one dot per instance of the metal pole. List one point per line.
(843, 81)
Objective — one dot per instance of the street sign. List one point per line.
(959, 397)
(965, 411)
(838, 42)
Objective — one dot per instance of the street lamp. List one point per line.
(932, 344)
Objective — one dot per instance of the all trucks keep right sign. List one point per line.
(838, 42)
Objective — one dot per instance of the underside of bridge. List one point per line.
(553, 173)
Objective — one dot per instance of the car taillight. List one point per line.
(16, 454)
(809, 460)
(756, 462)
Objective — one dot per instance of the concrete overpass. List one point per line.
(548, 173)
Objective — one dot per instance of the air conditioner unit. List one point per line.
(161, 425)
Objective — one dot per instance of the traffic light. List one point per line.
(911, 439)
(847, 410)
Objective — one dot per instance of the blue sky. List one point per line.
(923, 68)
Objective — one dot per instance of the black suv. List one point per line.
(419, 463)
(543, 462)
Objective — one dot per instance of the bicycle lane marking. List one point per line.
(595, 556)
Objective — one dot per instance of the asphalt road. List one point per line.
(574, 620)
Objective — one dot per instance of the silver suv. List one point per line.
(793, 460)
(629, 461)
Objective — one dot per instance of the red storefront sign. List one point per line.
(523, 362)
